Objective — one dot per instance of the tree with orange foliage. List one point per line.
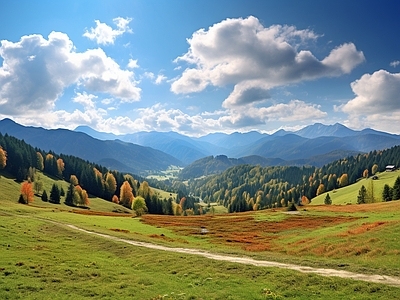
(365, 173)
(3, 158)
(304, 200)
(321, 189)
(115, 199)
(27, 192)
(73, 180)
(60, 166)
(126, 195)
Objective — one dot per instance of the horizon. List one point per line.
(199, 68)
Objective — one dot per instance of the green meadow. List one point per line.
(43, 258)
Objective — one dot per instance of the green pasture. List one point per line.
(42, 258)
(348, 194)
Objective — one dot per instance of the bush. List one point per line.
(292, 207)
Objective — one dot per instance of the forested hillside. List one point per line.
(248, 187)
(21, 160)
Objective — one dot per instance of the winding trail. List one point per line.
(383, 279)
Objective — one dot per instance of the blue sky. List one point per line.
(197, 67)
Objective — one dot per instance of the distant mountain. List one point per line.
(97, 134)
(319, 130)
(232, 140)
(119, 155)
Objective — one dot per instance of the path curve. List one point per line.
(383, 279)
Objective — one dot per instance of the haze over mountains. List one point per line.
(142, 152)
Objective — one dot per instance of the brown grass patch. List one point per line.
(101, 213)
(242, 230)
(362, 229)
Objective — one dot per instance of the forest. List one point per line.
(240, 188)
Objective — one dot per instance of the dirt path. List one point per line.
(388, 280)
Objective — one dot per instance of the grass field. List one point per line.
(42, 258)
(348, 194)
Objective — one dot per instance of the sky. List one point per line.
(199, 67)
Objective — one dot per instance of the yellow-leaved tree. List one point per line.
(126, 195)
(3, 158)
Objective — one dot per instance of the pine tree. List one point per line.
(328, 200)
(387, 193)
(44, 196)
(362, 195)
(55, 194)
(396, 189)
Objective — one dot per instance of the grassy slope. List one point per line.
(348, 194)
(43, 260)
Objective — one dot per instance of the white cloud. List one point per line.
(104, 34)
(85, 99)
(36, 71)
(133, 63)
(253, 58)
(395, 63)
(377, 101)
(160, 79)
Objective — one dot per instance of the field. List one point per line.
(348, 194)
(42, 257)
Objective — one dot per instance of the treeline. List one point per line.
(248, 187)
(21, 161)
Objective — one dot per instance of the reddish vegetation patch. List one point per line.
(100, 213)
(242, 229)
(363, 228)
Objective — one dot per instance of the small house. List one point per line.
(390, 168)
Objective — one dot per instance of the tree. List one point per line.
(27, 192)
(321, 189)
(39, 161)
(110, 185)
(139, 206)
(38, 185)
(3, 158)
(60, 167)
(73, 180)
(44, 197)
(362, 195)
(126, 195)
(387, 193)
(374, 169)
(396, 189)
(69, 199)
(55, 194)
(328, 200)
(343, 180)
(365, 173)
(115, 199)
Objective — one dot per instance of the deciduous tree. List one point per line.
(60, 167)
(343, 180)
(27, 192)
(126, 195)
(3, 158)
(374, 169)
(139, 206)
(39, 161)
(321, 189)
(110, 185)
(74, 180)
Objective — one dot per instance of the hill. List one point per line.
(119, 155)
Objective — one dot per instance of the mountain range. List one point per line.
(144, 152)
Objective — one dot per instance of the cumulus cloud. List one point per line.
(376, 102)
(36, 71)
(104, 34)
(255, 59)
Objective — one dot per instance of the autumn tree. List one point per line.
(343, 180)
(27, 192)
(110, 185)
(374, 169)
(321, 189)
(73, 180)
(126, 195)
(115, 199)
(39, 161)
(365, 173)
(304, 200)
(3, 158)
(60, 167)
(139, 206)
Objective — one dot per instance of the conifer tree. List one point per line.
(328, 200)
